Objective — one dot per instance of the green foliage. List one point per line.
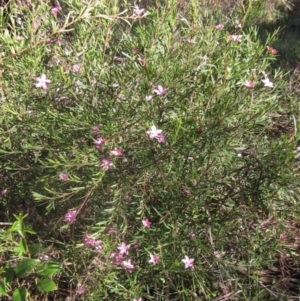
(24, 268)
(222, 167)
(46, 285)
(20, 294)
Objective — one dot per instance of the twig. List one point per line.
(227, 296)
(268, 290)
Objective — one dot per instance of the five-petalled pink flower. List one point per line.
(160, 90)
(272, 50)
(42, 82)
(70, 216)
(64, 176)
(188, 262)
(138, 11)
(238, 24)
(123, 248)
(117, 258)
(155, 133)
(127, 265)
(91, 242)
(249, 84)
(154, 259)
(98, 143)
(219, 26)
(106, 163)
(236, 38)
(55, 9)
(146, 223)
(268, 83)
(192, 234)
(116, 152)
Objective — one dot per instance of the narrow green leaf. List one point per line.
(2, 151)
(28, 230)
(21, 249)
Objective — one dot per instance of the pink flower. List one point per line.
(154, 259)
(149, 97)
(138, 11)
(116, 152)
(219, 26)
(160, 90)
(146, 223)
(186, 191)
(142, 60)
(118, 258)
(91, 242)
(190, 41)
(76, 68)
(137, 299)
(160, 138)
(42, 82)
(236, 38)
(188, 262)
(283, 236)
(111, 230)
(272, 50)
(218, 254)
(80, 290)
(55, 9)
(70, 216)
(98, 143)
(4, 191)
(155, 133)
(267, 83)
(64, 176)
(106, 164)
(123, 248)
(249, 84)
(192, 234)
(127, 265)
(238, 24)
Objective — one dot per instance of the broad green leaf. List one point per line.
(20, 294)
(46, 285)
(9, 275)
(48, 269)
(34, 248)
(2, 289)
(25, 267)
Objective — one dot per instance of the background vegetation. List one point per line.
(149, 151)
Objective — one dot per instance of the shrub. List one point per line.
(147, 139)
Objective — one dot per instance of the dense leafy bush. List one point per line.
(143, 141)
